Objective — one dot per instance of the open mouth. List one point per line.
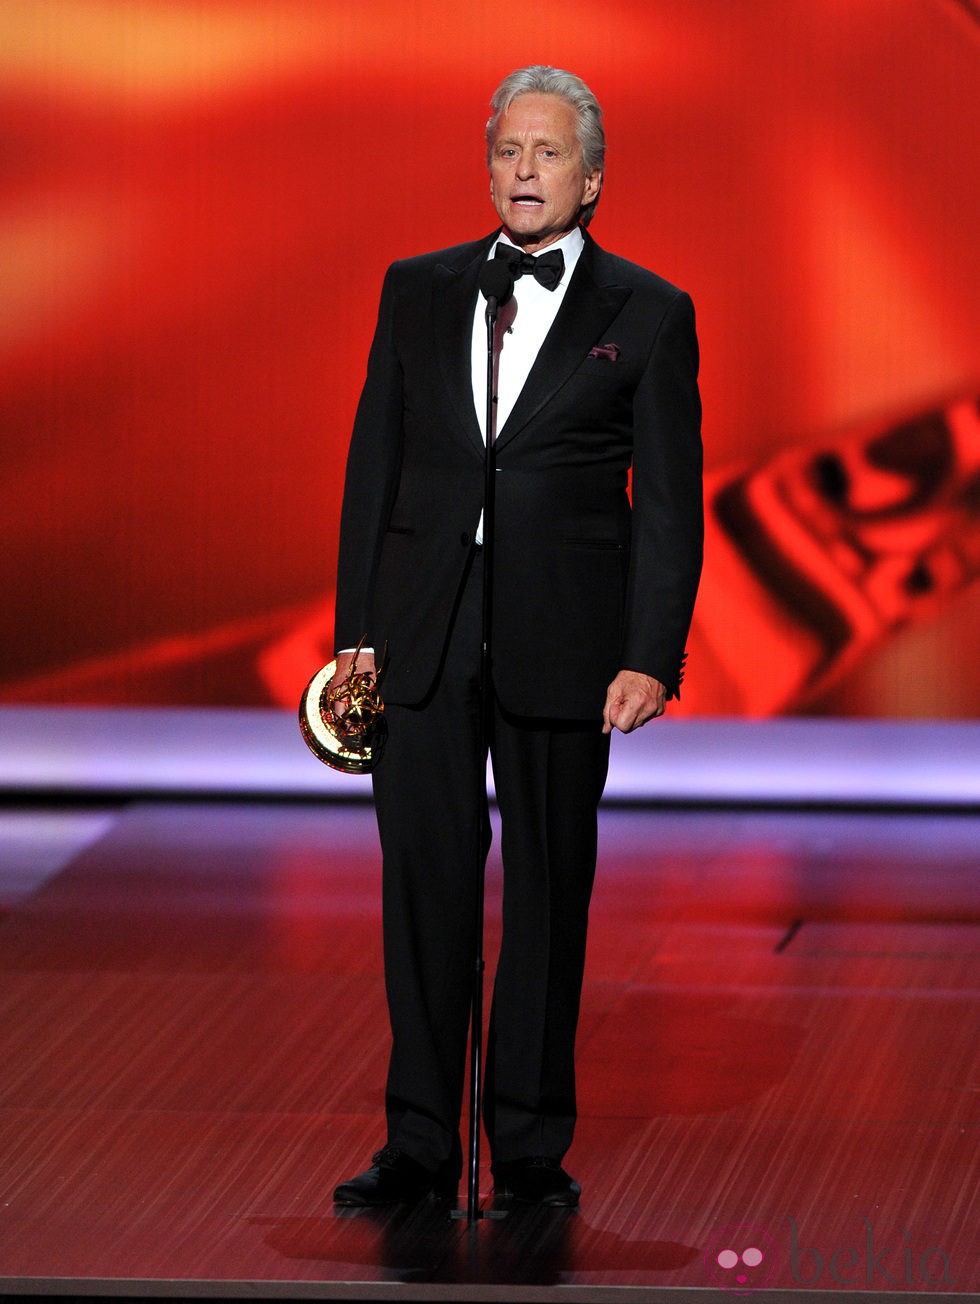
(526, 199)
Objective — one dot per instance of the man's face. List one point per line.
(538, 183)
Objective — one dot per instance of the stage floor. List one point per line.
(778, 1050)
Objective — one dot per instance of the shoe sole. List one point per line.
(569, 1201)
(431, 1193)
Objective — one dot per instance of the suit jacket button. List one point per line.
(465, 539)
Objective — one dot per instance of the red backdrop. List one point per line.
(197, 204)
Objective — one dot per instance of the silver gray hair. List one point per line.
(540, 79)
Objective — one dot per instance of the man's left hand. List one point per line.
(631, 700)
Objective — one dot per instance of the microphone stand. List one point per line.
(497, 283)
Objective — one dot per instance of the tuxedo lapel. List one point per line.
(587, 310)
(454, 292)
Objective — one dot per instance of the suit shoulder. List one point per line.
(454, 256)
(613, 270)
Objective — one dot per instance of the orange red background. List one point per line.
(197, 204)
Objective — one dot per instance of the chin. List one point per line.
(528, 223)
(525, 233)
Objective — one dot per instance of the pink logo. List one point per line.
(740, 1258)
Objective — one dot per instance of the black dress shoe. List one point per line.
(395, 1178)
(536, 1181)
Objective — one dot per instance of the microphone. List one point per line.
(496, 284)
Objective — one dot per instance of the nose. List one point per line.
(526, 165)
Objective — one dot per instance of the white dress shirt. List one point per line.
(522, 325)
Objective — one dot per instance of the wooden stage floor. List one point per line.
(778, 1050)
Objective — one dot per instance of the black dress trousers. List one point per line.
(430, 798)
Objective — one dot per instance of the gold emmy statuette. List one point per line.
(353, 740)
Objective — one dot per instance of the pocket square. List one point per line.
(608, 351)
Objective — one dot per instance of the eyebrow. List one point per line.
(536, 140)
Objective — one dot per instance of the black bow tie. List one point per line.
(547, 269)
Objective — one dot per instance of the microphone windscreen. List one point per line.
(496, 281)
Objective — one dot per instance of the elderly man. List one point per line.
(592, 600)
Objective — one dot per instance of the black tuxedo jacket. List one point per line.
(585, 582)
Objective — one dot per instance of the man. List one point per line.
(591, 607)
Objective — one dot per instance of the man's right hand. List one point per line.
(365, 665)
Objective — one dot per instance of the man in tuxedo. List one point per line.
(592, 598)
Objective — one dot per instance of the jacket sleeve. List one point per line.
(667, 531)
(371, 479)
